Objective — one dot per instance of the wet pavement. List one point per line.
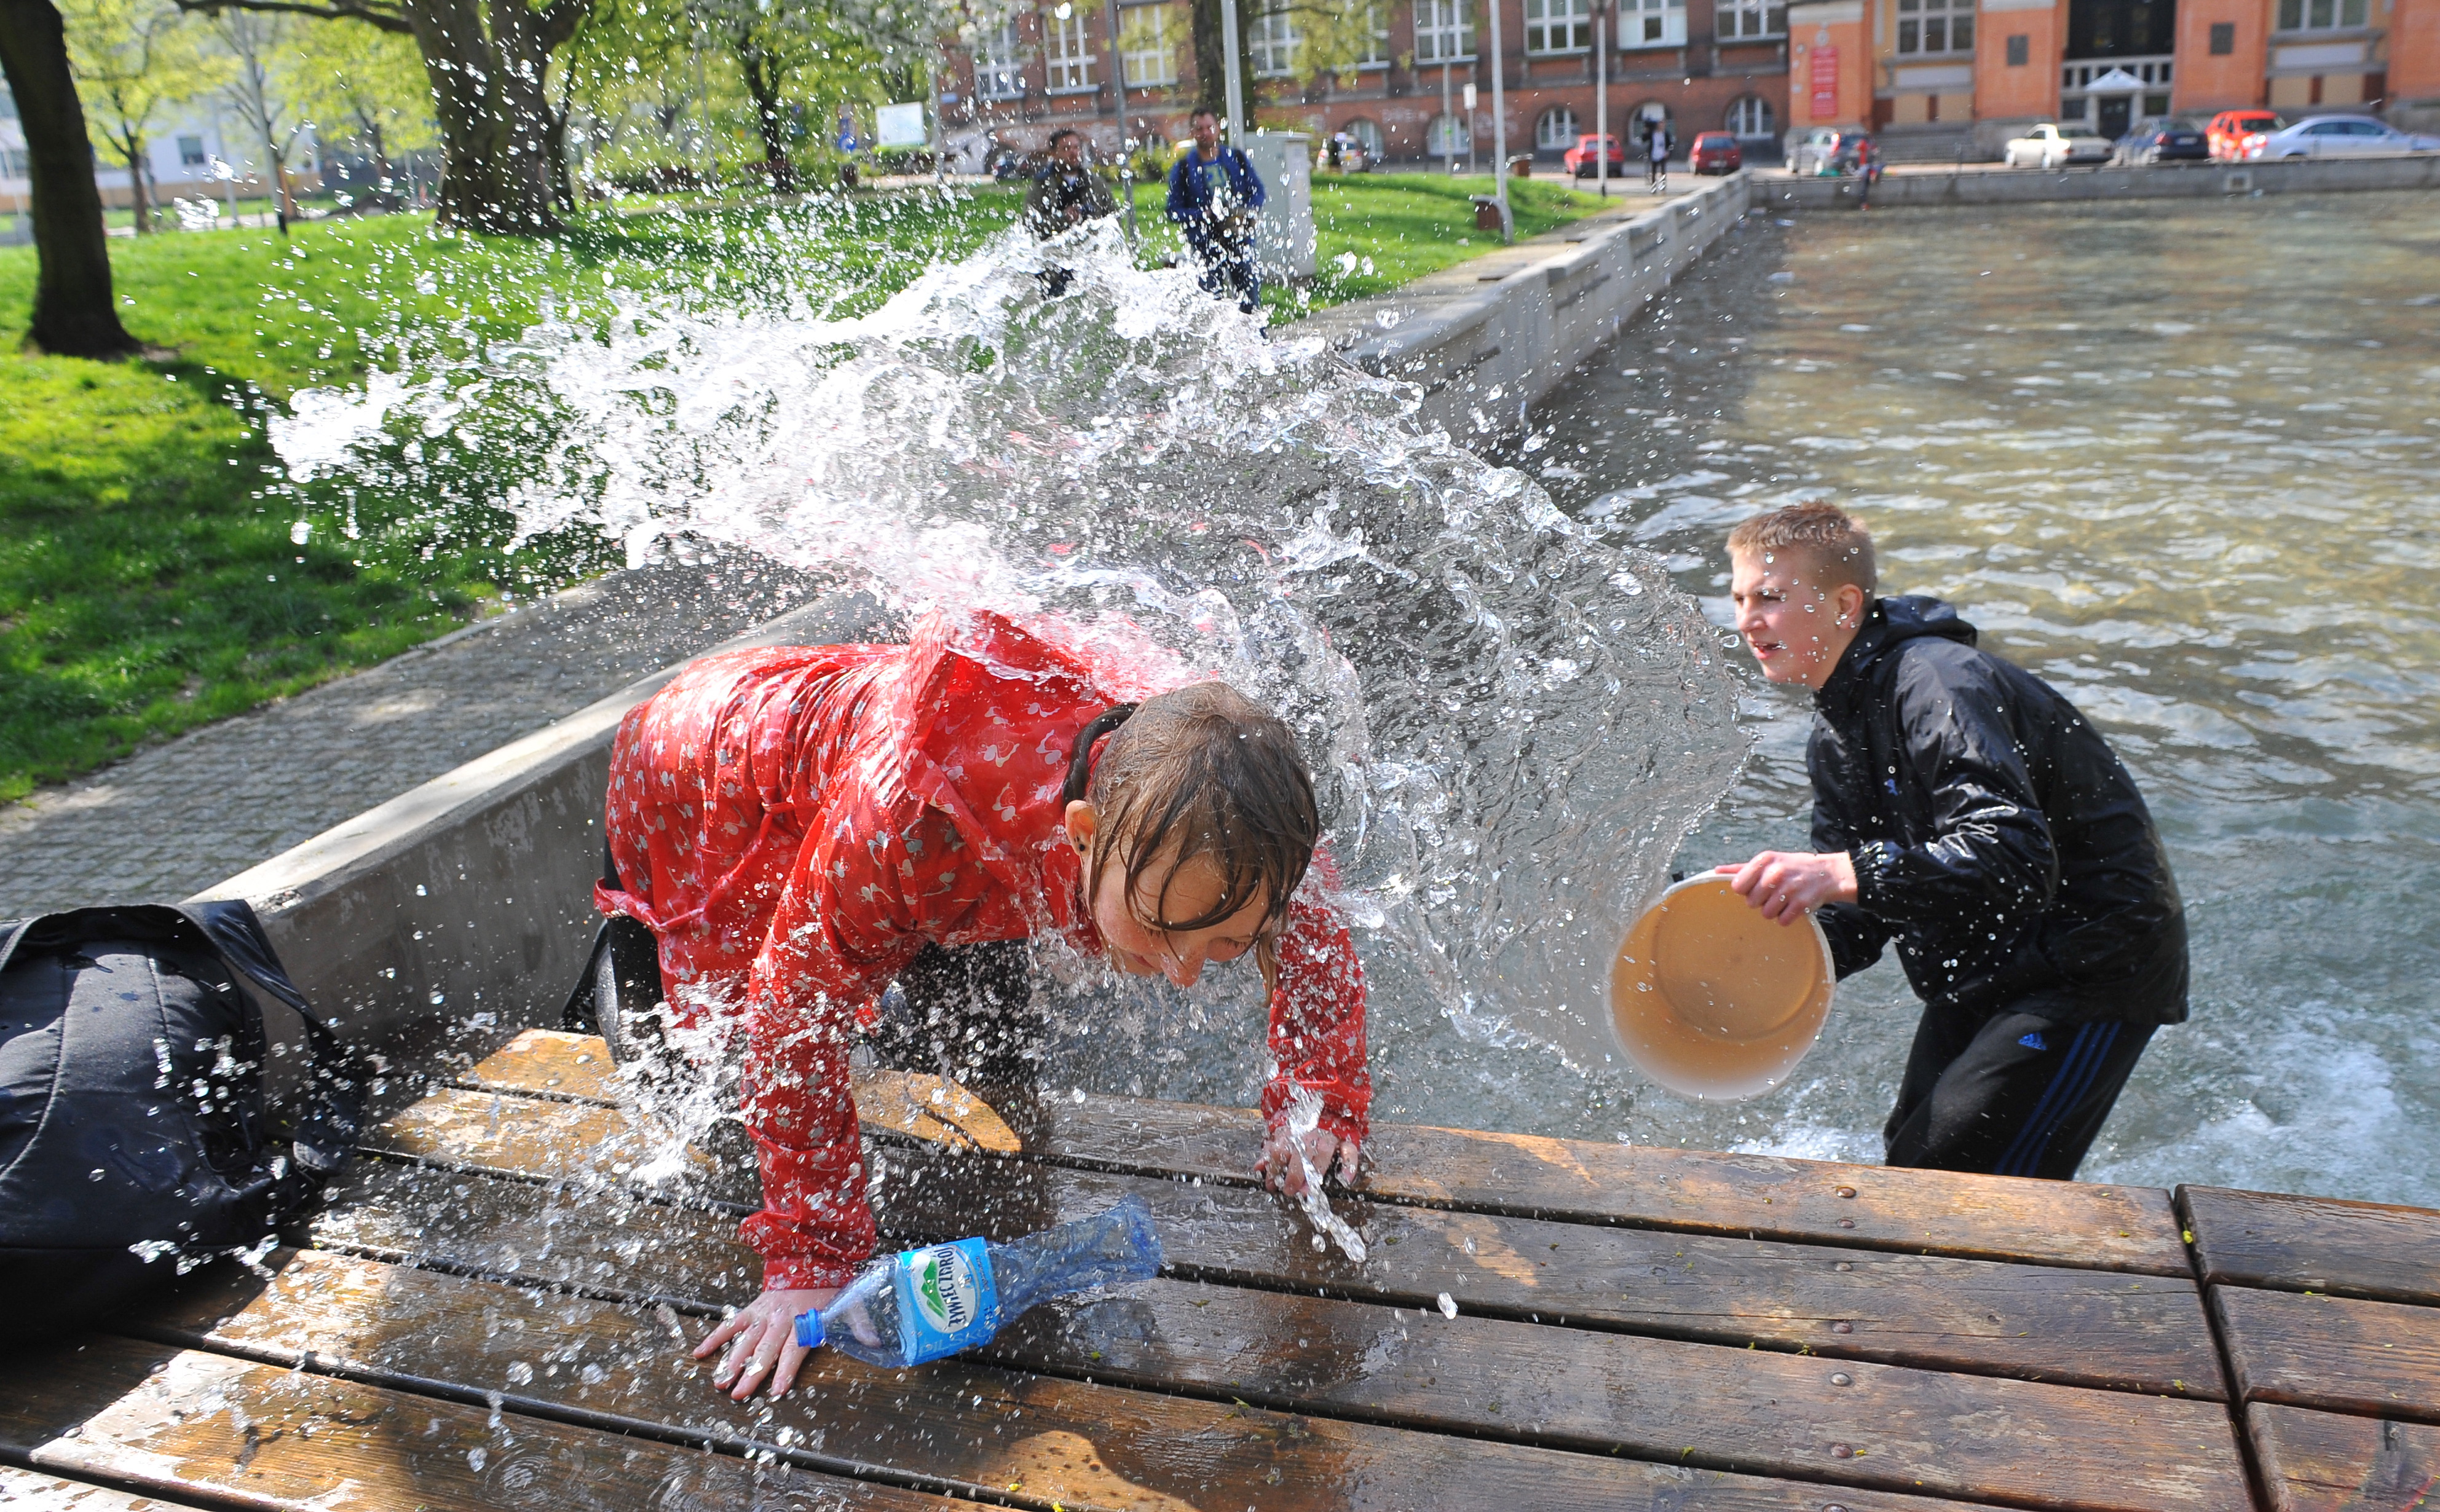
(175, 818)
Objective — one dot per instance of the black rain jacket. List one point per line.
(1995, 836)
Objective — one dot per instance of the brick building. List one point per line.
(1703, 65)
(1938, 79)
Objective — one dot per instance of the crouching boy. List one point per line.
(1965, 810)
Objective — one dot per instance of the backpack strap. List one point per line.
(333, 1114)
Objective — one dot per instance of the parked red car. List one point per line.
(1584, 159)
(1716, 153)
(2237, 134)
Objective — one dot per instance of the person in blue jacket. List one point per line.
(1214, 194)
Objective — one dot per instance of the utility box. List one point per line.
(1283, 232)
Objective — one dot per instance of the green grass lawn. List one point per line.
(149, 581)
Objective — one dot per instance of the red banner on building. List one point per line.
(1825, 83)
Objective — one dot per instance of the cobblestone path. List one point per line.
(174, 818)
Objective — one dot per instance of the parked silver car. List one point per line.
(2344, 136)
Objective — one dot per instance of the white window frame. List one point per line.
(1558, 28)
(1768, 124)
(1147, 57)
(2306, 17)
(1548, 140)
(1753, 20)
(1952, 19)
(1274, 44)
(1367, 133)
(1000, 64)
(1377, 37)
(1067, 54)
(1651, 24)
(1452, 127)
(1443, 32)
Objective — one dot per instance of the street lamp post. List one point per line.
(1236, 76)
(1500, 126)
(1601, 98)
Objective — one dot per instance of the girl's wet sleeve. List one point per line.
(842, 930)
(1318, 1022)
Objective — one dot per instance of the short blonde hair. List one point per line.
(1834, 542)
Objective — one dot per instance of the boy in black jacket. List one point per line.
(1965, 809)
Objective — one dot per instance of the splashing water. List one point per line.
(1512, 724)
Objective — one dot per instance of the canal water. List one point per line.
(2181, 460)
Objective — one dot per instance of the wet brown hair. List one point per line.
(1212, 772)
(1833, 542)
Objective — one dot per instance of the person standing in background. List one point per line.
(1213, 196)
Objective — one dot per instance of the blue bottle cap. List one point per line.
(809, 1329)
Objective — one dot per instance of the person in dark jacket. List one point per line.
(1968, 813)
(1066, 195)
(1213, 195)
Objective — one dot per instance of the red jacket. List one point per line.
(794, 824)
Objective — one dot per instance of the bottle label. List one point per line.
(946, 1300)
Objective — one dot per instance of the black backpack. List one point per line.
(136, 1137)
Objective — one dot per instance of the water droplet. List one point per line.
(1448, 1305)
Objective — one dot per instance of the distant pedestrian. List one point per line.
(1066, 195)
(1213, 195)
(1656, 149)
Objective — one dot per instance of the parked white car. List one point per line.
(2049, 145)
(2344, 136)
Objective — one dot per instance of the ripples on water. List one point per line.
(2179, 459)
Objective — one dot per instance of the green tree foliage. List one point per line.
(134, 60)
(361, 86)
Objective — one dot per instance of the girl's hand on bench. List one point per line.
(765, 1348)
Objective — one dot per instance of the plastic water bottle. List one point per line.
(927, 1303)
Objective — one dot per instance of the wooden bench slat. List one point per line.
(975, 1426)
(194, 1425)
(2374, 1250)
(2075, 1224)
(2324, 1462)
(2086, 1327)
(1767, 1413)
(2343, 1354)
(41, 1491)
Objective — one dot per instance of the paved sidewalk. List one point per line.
(175, 818)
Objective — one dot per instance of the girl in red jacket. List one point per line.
(797, 825)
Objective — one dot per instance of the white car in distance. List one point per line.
(2049, 145)
(2344, 136)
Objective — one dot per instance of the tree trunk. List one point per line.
(75, 312)
(1212, 57)
(763, 81)
(494, 117)
(137, 200)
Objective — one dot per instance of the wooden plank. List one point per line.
(2075, 1224)
(574, 1067)
(40, 1491)
(1762, 1412)
(2373, 1249)
(2085, 1328)
(200, 1426)
(1045, 1440)
(549, 1061)
(2380, 1358)
(2323, 1462)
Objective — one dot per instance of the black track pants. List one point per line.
(2013, 1095)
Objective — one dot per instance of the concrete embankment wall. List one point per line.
(1985, 184)
(1488, 337)
(471, 895)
